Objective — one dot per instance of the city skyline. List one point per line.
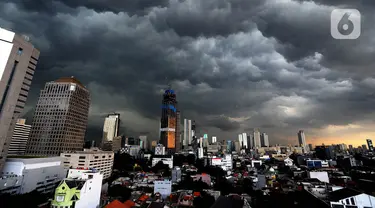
(230, 76)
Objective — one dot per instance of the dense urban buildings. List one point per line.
(90, 158)
(18, 60)
(168, 120)
(60, 118)
(19, 139)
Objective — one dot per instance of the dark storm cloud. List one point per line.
(235, 64)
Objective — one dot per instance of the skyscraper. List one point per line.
(187, 132)
(214, 139)
(18, 60)
(168, 120)
(60, 118)
(178, 131)
(370, 145)
(240, 140)
(111, 127)
(264, 140)
(302, 140)
(19, 139)
(310, 147)
(250, 141)
(257, 142)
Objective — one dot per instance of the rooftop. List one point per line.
(71, 79)
(343, 194)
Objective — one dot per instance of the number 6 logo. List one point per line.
(345, 24)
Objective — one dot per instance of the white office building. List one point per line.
(264, 140)
(302, 141)
(240, 140)
(188, 134)
(214, 139)
(257, 142)
(18, 60)
(20, 136)
(143, 142)
(90, 158)
(81, 189)
(23, 175)
(111, 127)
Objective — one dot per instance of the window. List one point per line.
(347, 201)
(352, 201)
(82, 157)
(20, 50)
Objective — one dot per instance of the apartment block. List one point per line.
(90, 158)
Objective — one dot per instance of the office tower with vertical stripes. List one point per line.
(60, 118)
(18, 60)
(20, 136)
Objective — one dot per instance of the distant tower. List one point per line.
(168, 120)
(111, 127)
(257, 142)
(370, 145)
(60, 118)
(302, 140)
(178, 133)
(264, 140)
(20, 136)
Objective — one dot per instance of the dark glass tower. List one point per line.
(168, 123)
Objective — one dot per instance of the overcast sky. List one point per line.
(235, 64)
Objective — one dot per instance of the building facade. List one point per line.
(178, 131)
(169, 120)
(60, 118)
(18, 60)
(20, 136)
(90, 158)
(41, 174)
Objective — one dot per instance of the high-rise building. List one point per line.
(111, 127)
(19, 139)
(143, 142)
(370, 145)
(168, 120)
(240, 140)
(350, 148)
(18, 60)
(229, 147)
(214, 139)
(188, 134)
(245, 142)
(264, 140)
(60, 118)
(257, 142)
(302, 140)
(250, 141)
(178, 131)
(310, 147)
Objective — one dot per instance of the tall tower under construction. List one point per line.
(168, 123)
